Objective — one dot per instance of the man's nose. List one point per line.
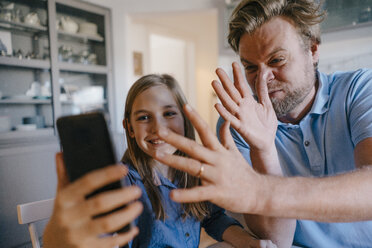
(264, 75)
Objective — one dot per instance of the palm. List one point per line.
(255, 121)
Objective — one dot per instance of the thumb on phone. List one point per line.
(61, 172)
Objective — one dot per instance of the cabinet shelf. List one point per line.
(70, 102)
(18, 26)
(74, 67)
(78, 36)
(31, 101)
(14, 138)
(26, 63)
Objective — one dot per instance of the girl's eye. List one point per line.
(170, 113)
(142, 118)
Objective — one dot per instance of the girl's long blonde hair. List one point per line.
(141, 161)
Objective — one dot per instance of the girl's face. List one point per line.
(154, 108)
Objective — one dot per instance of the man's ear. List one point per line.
(128, 128)
(314, 49)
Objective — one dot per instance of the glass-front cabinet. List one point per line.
(55, 60)
(343, 14)
(25, 67)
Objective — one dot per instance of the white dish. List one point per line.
(88, 28)
(21, 97)
(5, 125)
(26, 127)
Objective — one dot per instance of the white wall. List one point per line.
(168, 55)
(346, 50)
(163, 59)
(123, 66)
(122, 10)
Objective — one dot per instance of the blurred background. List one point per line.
(61, 57)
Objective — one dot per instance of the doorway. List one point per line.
(173, 56)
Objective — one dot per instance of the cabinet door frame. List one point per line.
(55, 67)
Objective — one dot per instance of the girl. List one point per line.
(156, 101)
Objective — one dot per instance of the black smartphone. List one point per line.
(86, 146)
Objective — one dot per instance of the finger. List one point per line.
(239, 81)
(111, 222)
(107, 201)
(120, 239)
(185, 164)
(188, 146)
(62, 177)
(263, 93)
(226, 138)
(226, 115)
(90, 182)
(196, 194)
(225, 98)
(228, 85)
(207, 137)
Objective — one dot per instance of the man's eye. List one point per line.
(250, 68)
(277, 61)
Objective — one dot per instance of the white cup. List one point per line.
(5, 125)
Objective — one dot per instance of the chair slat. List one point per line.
(35, 211)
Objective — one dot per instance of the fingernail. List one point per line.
(159, 154)
(174, 195)
(163, 132)
(123, 168)
(188, 107)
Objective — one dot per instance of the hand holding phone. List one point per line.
(86, 147)
(72, 225)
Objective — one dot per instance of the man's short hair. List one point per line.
(249, 15)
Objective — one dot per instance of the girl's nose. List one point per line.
(156, 124)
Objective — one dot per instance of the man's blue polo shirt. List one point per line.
(322, 144)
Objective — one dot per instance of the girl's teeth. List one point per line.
(157, 142)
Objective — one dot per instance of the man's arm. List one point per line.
(256, 123)
(341, 198)
(319, 199)
(279, 230)
(222, 227)
(239, 237)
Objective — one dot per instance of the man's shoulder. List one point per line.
(349, 76)
(345, 81)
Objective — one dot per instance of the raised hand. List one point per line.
(255, 121)
(72, 223)
(227, 179)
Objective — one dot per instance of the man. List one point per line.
(314, 129)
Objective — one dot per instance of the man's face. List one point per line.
(275, 54)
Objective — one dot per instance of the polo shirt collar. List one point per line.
(320, 105)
